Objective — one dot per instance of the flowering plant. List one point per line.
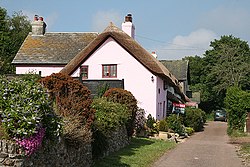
(32, 143)
(25, 110)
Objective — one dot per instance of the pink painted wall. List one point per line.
(45, 71)
(161, 99)
(137, 79)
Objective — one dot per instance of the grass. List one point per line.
(142, 152)
(245, 152)
(242, 140)
(210, 117)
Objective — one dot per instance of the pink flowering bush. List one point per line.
(32, 143)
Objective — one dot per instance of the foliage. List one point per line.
(32, 143)
(142, 152)
(140, 120)
(25, 108)
(189, 130)
(163, 125)
(175, 123)
(108, 117)
(150, 121)
(194, 118)
(13, 31)
(101, 89)
(237, 103)
(26, 113)
(72, 101)
(245, 150)
(197, 72)
(152, 125)
(71, 97)
(225, 65)
(75, 132)
(236, 133)
(125, 97)
(210, 117)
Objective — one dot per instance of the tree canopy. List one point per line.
(226, 64)
(13, 31)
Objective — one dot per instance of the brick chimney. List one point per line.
(38, 26)
(128, 27)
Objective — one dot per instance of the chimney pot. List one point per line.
(35, 18)
(128, 18)
(128, 27)
(154, 54)
(38, 26)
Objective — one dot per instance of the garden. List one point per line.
(36, 114)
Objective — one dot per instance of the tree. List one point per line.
(229, 62)
(196, 64)
(226, 64)
(13, 31)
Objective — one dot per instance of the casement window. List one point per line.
(109, 71)
(84, 72)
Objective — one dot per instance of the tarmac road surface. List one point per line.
(209, 148)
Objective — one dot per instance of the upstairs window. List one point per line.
(84, 72)
(109, 71)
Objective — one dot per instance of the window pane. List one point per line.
(105, 71)
(113, 71)
(109, 70)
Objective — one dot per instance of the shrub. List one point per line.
(71, 97)
(72, 101)
(75, 132)
(237, 103)
(125, 97)
(140, 120)
(152, 125)
(150, 121)
(194, 118)
(26, 113)
(108, 117)
(163, 126)
(189, 130)
(175, 123)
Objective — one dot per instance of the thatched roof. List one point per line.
(130, 45)
(52, 48)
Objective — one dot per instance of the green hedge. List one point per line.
(194, 118)
(125, 97)
(237, 104)
(108, 117)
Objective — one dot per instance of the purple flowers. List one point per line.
(32, 143)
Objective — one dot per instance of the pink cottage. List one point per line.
(114, 54)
